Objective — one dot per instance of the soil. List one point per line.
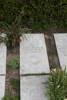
(52, 52)
(11, 73)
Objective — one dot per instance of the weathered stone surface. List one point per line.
(2, 58)
(33, 54)
(2, 86)
(61, 44)
(33, 87)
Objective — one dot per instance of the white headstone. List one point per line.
(2, 59)
(33, 88)
(2, 87)
(61, 44)
(33, 54)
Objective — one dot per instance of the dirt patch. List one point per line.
(11, 73)
(52, 52)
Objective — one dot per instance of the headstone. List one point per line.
(3, 51)
(33, 87)
(61, 44)
(3, 35)
(2, 87)
(2, 59)
(33, 54)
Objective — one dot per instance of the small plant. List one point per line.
(15, 84)
(10, 97)
(14, 63)
(2, 24)
(13, 34)
(57, 87)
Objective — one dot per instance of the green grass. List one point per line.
(57, 85)
(15, 84)
(14, 63)
(52, 52)
(10, 97)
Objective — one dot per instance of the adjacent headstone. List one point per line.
(33, 54)
(33, 87)
(2, 87)
(2, 59)
(3, 51)
(61, 44)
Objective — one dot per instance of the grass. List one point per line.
(14, 63)
(15, 84)
(10, 97)
(52, 52)
(57, 85)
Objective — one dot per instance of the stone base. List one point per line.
(2, 87)
(33, 87)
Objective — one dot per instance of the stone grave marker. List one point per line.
(33, 55)
(2, 87)
(33, 87)
(2, 59)
(61, 44)
(3, 51)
